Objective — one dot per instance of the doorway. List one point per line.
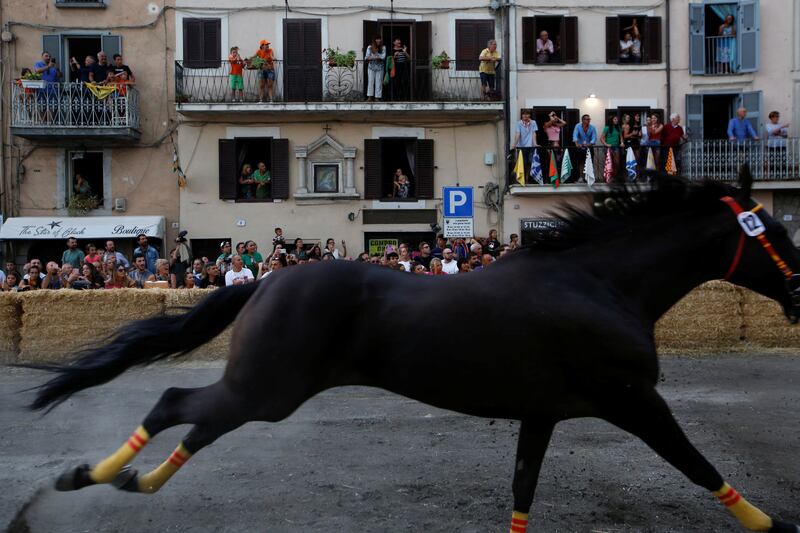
(400, 84)
(89, 165)
(79, 48)
(718, 109)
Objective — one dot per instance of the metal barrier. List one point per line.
(72, 105)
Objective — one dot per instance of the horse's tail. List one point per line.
(143, 342)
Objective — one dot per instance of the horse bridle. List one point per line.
(753, 227)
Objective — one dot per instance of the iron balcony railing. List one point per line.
(211, 84)
(72, 105)
(775, 159)
(720, 55)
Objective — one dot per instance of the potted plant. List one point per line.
(81, 204)
(337, 58)
(442, 61)
(32, 80)
(182, 98)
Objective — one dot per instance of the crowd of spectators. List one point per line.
(90, 268)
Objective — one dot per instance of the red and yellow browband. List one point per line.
(779, 262)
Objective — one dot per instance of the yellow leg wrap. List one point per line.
(155, 479)
(747, 514)
(519, 522)
(108, 468)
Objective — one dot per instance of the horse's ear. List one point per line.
(745, 181)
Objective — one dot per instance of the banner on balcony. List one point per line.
(81, 227)
(101, 92)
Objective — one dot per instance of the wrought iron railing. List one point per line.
(411, 82)
(770, 160)
(720, 55)
(72, 105)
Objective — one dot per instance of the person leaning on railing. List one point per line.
(777, 134)
(739, 128)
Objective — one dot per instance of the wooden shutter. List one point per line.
(651, 40)
(52, 45)
(202, 43)
(528, 40)
(422, 60)
(471, 39)
(612, 39)
(752, 102)
(373, 163)
(569, 41)
(302, 69)
(747, 36)
(228, 171)
(111, 44)
(694, 116)
(424, 170)
(212, 43)
(312, 66)
(280, 168)
(697, 39)
(572, 117)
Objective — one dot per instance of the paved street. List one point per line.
(358, 459)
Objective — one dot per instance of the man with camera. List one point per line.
(48, 68)
(224, 259)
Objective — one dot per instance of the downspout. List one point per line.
(504, 13)
(668, 62)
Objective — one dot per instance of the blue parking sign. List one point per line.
(457, 201)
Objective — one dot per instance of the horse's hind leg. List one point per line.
(534, 437)
(644, 413)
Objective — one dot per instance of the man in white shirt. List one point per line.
(238, 275)
(449, 263)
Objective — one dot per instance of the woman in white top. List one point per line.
(330, 247)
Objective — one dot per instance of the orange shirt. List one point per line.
(236, 65)
(266, 56)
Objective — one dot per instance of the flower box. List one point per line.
(33, 84)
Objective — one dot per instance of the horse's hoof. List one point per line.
(75, 478)
(127, 479)
(783, 527)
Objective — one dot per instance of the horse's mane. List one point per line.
(627, 207)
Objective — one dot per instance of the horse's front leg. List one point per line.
(641, 411)
(534, 437)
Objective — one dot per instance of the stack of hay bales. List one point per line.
(177, 301)
(10, 325)
(55, 324)
(766, 327)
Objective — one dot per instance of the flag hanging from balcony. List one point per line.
(536, 167)
(671, 167)
(608, 167)
(566, 167)
(519, 168)
(553, 173)
(651, 161)
(101, 92)
(630, 165)
(176, 165)
(588, 168)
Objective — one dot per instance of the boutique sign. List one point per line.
(81, 227)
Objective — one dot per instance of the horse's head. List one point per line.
(764, 258)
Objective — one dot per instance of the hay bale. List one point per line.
(177, 301)
(707, 320)
(57, 323)
(10, 325)
(766, 327)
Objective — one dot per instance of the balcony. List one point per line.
(720, 56)
(69, 111)
(334, 89)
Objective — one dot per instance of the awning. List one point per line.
(81, 227)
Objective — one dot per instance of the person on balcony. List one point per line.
(81, 73)
(635, 47)
(525, 138)
(611, 137)
(553, 130)
(776, 144)
(375, 55)
(267, 81)
(120, 72)
(51, 74)
(726, 46)
(673, 137)
(101, 69)
(739, 128)
(402, 61)
(544, 47)
(655, 130)
(489, 59)
(584, 136)
(235, 78)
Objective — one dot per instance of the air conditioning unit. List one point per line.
(120, 204)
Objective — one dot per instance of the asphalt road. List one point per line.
(357, 459)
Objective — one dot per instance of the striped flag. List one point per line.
(519, 168)
(553, 173)
(671, 167)
(588, 168)
(536, 167)
(651, 161)
(566, 167)
(630, 165)
(608, 167)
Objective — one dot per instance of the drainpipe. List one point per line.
(668, 62)
(504, 14)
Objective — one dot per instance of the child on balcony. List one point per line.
(236, 80)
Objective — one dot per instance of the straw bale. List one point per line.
(707, 320)
(766, 327)
(177, 301)
(10, 325)
(57, 323)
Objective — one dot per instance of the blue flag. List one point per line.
(630, 164)
(536, 167)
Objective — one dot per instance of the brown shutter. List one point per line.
(228, 173)
(471, 39)
(302, 69)
(192, 42)
(528, 40)
(280, 168)
(569, 43)
(373, 163)
(424, 170)
(572, 117)
(651, 40)
(212, 43)
(422, 60)
(312, 66)
(612, 39)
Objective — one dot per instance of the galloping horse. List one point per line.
(628, 261)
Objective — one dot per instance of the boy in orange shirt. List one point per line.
(236, 80)
(267, 70)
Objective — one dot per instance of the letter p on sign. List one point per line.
(457, 201)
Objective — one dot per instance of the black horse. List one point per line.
(628, 262)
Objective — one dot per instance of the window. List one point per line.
(723, 37)
(85, 178)
(235, 154)
(382, 158)
(560, 34)
(472, 37)
(80, 3)
(202, 42)
(63, 47)
(633, 39)
(707, 115)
